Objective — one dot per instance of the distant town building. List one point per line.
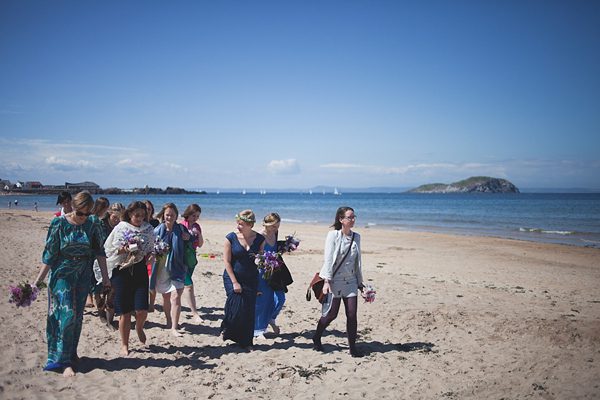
(82, 186)
(33, 185)
(5, 184)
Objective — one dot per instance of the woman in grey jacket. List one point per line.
(343, 276)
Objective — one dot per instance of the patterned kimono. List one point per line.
(70, 251)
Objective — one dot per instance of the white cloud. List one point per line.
(341, 165)
(66, 165)
(284, 167)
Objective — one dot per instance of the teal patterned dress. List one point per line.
(70, 251)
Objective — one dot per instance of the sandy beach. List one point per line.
(455, 317)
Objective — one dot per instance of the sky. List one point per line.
(296, 94)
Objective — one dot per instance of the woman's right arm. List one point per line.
(327, 270)
(229, 268)
(42, 274)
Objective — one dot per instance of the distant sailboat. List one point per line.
(310, 192)
(263, 191)
(218, 192)
(323, 191)
(335, 191)
(244, 191)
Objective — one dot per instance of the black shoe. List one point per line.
(356, 354)
(317, 346)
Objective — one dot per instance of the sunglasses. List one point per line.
(82, 214)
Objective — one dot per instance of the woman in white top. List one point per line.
(127, 262)
(342, 246)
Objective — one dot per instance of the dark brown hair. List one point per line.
(149, 216)
(341, 213)
(134, 205)
(101, 204)
(191, 209)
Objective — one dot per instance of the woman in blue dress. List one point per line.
(268, 301)
(241, 280)
(73, 241)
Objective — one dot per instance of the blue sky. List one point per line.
(295, 94)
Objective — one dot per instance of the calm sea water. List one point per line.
(557, 218)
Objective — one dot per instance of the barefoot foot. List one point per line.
(275, 328)
(176, 333)
(197, 319)
(124, 351)
(141, 335)
(68, 372)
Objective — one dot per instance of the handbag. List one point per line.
(189, 255)
(317, 283)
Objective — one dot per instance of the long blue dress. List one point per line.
(238, 323)
(70, 251)
(268, 303)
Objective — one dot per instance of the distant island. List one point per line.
(475, 184)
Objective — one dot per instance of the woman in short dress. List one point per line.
(347, 281)
(168, 273)
(73, 241)
(241, 280)
(129, 274)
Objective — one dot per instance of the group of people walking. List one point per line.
(108, 251)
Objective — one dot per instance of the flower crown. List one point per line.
(244, 218)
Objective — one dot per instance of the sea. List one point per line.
(565, 218)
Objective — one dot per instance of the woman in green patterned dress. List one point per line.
(72, 243)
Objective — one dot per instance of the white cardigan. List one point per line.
(333, 255)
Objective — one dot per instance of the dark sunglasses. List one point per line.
(82, 214)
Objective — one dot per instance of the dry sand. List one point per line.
(454, 317)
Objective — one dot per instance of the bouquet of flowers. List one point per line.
(161, 248)
(23, 294)
(368, 293)
(195, 232)
(131, 239)
(291, 243)
(268, 261)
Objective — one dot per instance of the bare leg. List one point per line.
(190, 298)
(140, 318)
(124, 329)
(274, 326)
(167, 308)
(175, 311)
(152, 300)
(90, 301)
(110, 317)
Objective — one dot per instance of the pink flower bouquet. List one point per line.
(268, 262)
(368, 293)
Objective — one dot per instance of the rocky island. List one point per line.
(475, 184)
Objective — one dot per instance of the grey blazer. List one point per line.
(333, 255)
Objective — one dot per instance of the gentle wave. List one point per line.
(541, 231)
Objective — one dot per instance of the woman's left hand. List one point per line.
(150, 258)
(361, 286)
(185, 236)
